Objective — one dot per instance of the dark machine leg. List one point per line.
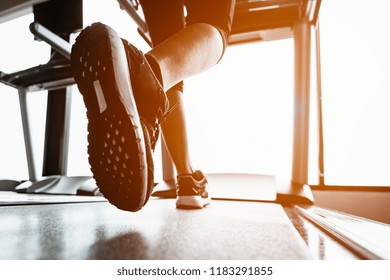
(63, 17)
(55, 159)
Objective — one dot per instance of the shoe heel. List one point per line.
(91, 66)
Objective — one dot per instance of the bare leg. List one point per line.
(175, 134)
(191, 51)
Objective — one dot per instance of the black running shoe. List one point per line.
(192, 191)
(117, 152)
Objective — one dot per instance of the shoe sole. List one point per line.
(116, 144)
(192, 202)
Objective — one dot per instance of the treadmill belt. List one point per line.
(223, 230)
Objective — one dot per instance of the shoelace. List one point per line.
(161, 116)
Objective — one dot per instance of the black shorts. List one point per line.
(167, 17)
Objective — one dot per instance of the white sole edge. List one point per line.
(192, 202)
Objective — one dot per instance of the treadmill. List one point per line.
(279, 221)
